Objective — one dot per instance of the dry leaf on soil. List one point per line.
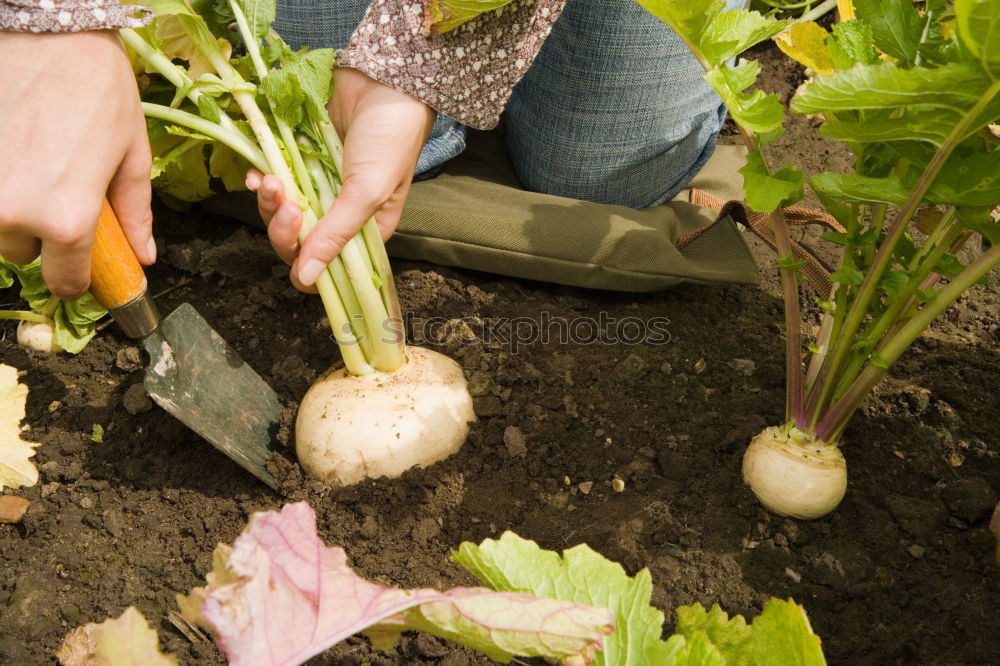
(16, 468)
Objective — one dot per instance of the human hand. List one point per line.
(71, 133)
(384, 131)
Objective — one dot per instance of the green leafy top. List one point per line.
(781, 635)
(74, 322)
(442, 16)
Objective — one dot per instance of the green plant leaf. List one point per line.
(980, 220)
(227, 165)
(979, 28)
(968, 180)
(285, 95)
(514, 564)
(703, 638)
(74, 322)
(6, 275)
(855, 39)
(260, 15)
(806, 43)
(765, 192)
(688, 19)
(896, 26)
(756, 111)
(887, 86)
(731, 32)
(851, 188)
(949, 266)
(913, 124)
(848, 275)
(893, 283)
(782, 635)
(442, 16)
(731, 636)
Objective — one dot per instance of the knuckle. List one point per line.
(69, 287)
(71, 234)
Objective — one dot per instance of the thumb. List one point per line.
(129, 194)
(344, 219)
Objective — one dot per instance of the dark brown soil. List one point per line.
(901, 573)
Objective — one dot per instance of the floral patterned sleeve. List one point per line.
(467, 73)
(69, 15)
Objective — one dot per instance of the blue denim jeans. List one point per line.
(614, 109)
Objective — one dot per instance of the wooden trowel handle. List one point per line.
(117, 280)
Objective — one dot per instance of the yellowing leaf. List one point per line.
(125, 641)
(846, 9)
(16, 468)
(806, 44)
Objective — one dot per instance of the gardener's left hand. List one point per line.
(384, 131)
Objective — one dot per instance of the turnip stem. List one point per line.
(25, 315)
(835, 363)
(50, 307)
(790, 290)
(899, 306)
(836, 418)
(232, 138)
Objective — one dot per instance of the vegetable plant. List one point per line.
(780, 635)
(211, 114)
(51, 325)
(911, 94)
(279, 596)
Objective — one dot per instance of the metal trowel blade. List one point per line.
(203, 382)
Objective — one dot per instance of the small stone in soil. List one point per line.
(916, 551)
(479, 384)
(12, 508)
(136, 400)
(743, 366)
(969, 499)
(514, 440)
(617, 485)
(920, 517)
(129, 359)
(487, 405)
(586, 487)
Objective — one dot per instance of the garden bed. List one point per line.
(902, 572)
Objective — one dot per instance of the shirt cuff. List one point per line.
(70, 15)
(467, 73)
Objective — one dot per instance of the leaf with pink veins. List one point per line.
(281, 596)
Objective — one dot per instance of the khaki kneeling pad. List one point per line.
(477, 215)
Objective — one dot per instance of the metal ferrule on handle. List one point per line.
(117, 280)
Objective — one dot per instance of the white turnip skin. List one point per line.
(38, 336)
(352, 428)
(793, 474)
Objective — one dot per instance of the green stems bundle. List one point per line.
(266, 109)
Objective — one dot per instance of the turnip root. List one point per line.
(350, 428)
(794, 474)
(38, 336)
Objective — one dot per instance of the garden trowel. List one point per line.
(192, 372)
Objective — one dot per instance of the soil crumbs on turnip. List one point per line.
(632, 448)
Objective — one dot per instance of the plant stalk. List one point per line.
(835, 420)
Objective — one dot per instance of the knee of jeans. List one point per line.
(636, 176)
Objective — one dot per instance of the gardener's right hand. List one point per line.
(71, 132)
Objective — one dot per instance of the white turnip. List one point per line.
(350, 427)
(40, 336)
(794, 474)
